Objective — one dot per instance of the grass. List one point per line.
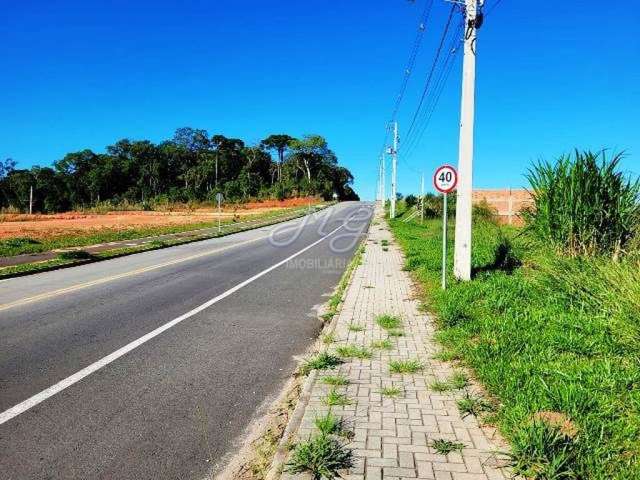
(385, 344)
(323, 456)
(355, 327)
(457, 381)
(321, 361)
(336, 298)
(395, 333)
(353, 351)
(335, 380)
(18, 246)
(384, 243)
(545, 333)
(391, 392)
(389, 322)
(473, 405)
(445, 447)
(335, 398)
(328, 338)
(405, 366)
(385, 249)
(331, 424)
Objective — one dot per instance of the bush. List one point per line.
(410, 201)
(583, 205)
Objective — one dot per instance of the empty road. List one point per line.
(152, 366)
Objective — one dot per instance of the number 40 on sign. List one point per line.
(445, 180)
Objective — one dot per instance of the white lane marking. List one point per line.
(76, 377)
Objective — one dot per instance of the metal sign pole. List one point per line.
(444, 243)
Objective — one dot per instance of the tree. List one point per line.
(279, 143)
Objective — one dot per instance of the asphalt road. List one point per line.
(152, 366)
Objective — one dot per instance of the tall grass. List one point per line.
(584, 204)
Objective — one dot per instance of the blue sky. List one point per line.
(85, 74)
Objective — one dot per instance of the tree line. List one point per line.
(191, 166)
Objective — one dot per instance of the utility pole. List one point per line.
(384, 181)
(394, 170)
(462, 249)
(31, 200)
(422, 198)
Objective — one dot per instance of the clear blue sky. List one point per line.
(555, 76)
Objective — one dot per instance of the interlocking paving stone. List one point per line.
(393, 435)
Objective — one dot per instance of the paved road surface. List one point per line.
(152, 366)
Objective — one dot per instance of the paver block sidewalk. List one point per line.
(393, 435)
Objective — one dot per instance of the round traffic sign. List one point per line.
(445, 179)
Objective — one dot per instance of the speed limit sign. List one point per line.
(445, 179)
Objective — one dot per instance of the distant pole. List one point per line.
(462, 249)
(394, 170)
(31, 200)
(422, 198)
(384, 180)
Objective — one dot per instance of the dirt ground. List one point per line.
(46, 226)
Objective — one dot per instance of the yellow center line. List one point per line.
(100, 281)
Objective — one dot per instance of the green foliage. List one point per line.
(382, 344)
(391, 392)
(353, 351)
(321, 361)
(334, 398)
(330, 424)
(388, 322)
(323, 456)
(473, 405)
(541, 451)
(555, 334)
(405, 366)
(355, 327)
(336, 380)
(445, 447)
(191, 166)
(583, 204)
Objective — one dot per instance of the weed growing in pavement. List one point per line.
(355, 327)
(389, 322)
(321, 361)
(445, 447)
(328, 339)
(335, 380)
(384, 243)
(385, 249)
(331, 424)
(334, 398)
(457, 381)
(472, 405)
(440, 386)
(405, 366)
(322, 456)
(353, 351)
(382, 344)
(391, 392)
(395, 333)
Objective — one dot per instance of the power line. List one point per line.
(412, 57)
(431, 72)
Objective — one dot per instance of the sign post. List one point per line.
(219, 198)
(445, 180)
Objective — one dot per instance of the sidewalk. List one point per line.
(394, 436)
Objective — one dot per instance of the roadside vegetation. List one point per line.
(191, 166)
(550, 323)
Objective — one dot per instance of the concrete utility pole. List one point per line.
(31, 200)
(462, 249)
(394, 170)
(384, 180)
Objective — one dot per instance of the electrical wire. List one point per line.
(431, 71)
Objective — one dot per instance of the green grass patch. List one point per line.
(322, 456)
(355, 327)
(321, 361)
(353, 351)
(542, 332)
(389, 322)
(331, 424)
(335, 398)
(405, 366)
(328, 339)
(473, 405)
(445, 447)
(385, 344)
(391, 392)
(335, 380)
(395, 333)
